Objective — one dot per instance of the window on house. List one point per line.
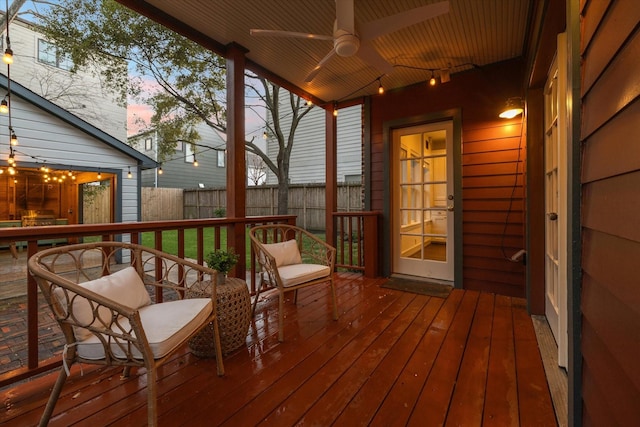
(188, 153)
(221, 158)
(148, 144)
(48, 53)
(179, 146)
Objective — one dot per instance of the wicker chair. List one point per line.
(291, 258)
(100, 294)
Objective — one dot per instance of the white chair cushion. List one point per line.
(285, 253)
(166, 325)
(124, 287)
(292, 275)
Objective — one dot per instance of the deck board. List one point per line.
(392, 358)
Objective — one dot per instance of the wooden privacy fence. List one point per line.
(166, 204)
(305, 201)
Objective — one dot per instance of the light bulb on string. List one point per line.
(14, 138)
(129, 175)
(4, 105)
(7, 58)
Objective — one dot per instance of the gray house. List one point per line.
(198, 165)
(307, 156)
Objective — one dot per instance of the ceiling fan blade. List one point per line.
(279, 33)
(345, 16)
(371, 56)
(318, 67)
(396, 22)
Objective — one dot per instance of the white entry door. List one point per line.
(555, 149)
(423, 201)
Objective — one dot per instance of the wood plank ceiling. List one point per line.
(472, 33)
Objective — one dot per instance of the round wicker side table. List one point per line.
(234, 317)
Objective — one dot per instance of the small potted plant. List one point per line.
(222, 261)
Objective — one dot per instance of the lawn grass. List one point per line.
(170, 241)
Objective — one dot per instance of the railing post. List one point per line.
(371, 245)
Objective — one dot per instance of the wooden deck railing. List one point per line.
(130, 231)
(356, 244)
(357, 241)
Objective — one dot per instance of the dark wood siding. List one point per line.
(611, 212)
(493, 158)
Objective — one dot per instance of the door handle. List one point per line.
(450, 208)
(552, 216)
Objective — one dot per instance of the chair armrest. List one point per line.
(172, 273)
(316, 251)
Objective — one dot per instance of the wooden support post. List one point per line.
(331, 173)
(236, 162)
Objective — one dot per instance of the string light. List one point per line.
(432, 80)
(309, 103)
(380, 88)
(335, 109)
(195, 161)
(129, 175)
(4, 104)
(99, 174)
(14, 138)
(7, 58)
(160, 172)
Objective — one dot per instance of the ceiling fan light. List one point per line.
(346, 45)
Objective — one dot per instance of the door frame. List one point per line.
(454, 115)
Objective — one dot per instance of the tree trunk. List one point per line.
(283, 197)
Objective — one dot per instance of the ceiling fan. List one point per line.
(349, 40)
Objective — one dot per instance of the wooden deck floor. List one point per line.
(393, 358)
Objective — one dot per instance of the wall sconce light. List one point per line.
(512, 108)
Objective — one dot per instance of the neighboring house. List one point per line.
(44, 69)
(75, 155)
(308, 154)
(180, 170)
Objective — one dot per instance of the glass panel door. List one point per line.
(423, 201)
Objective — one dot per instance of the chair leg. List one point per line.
(53, 398)
(255, 300)
(219, 362)
(126, 372)
(281, 316)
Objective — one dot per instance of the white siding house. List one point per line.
(39, 66)
(308, 154)
(51, 136)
